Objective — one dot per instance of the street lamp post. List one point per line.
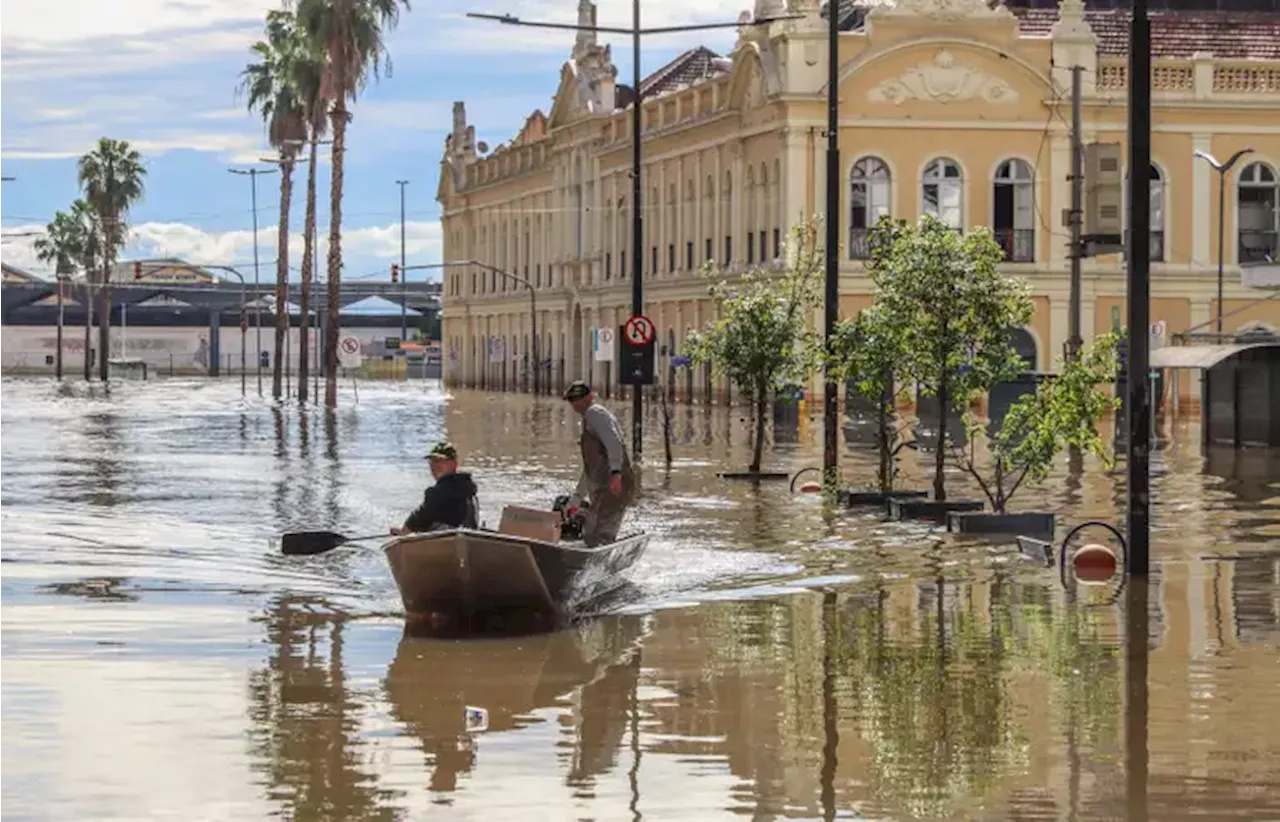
(257, 287)
(1222, 169)
(244, 300)
(404, 286)
(533, 305)
(637, 223)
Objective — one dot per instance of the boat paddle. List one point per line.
(306, 543)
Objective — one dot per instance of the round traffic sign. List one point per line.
(606, 336)
(639, 330)
(350, 345)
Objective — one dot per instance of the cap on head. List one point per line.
(443, 450)
(578, 389)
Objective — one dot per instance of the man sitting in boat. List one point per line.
(607, 479)
(451, 502)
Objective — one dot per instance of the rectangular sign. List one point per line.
(604, 344)
(393, 343)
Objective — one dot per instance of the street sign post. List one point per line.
(639, 330)
(604, 345)
(635, 364)
(349, 354)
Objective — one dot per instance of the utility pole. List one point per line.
(1076, 217)
(404, 282)
(637, 225)
(1223, 169)
(257, 276)
(831, 396)
(1138, 390)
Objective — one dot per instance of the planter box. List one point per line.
(928, 509)
(852, 499)
(754, 476)
(1036, 550)
(1039, 523)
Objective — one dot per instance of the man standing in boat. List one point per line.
(451, 502)
(608, 481)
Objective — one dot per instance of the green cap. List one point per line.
(444, 450)
(577, 390)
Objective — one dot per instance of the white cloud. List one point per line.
(367, 251)
(74, 21)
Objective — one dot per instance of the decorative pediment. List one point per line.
(944, 80)
(162, 301)
(755, 77)
(569, 106)
(949, 11)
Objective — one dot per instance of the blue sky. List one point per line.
(163, 74)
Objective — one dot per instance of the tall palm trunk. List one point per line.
(339, 120)
(88, 325)
(282, 278)
(104, 323)
(308, 256)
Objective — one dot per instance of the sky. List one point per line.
(163, 74)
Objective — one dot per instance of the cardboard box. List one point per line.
(530, 523)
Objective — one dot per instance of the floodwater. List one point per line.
(161, 660)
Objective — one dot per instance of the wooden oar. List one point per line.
(304, 543)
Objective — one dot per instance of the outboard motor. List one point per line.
(570, 527)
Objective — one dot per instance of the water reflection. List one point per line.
(938, 678)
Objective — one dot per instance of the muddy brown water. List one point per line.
(162, 661)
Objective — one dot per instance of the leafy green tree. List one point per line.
(1064, 411)
(762, 339)
(111, 176)
(350, 35)
(865, 351)
(272, 89)
(943, 294)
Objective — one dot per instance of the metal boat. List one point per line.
(468, 575)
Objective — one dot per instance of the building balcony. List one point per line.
(1258, 247)
(1201, 78)
(1019, 244)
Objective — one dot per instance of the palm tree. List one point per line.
(308, 72)
(61, 244)
(271, 91)
(111, 178)
(350, 32)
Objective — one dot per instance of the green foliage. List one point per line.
(112, 179)
(762, 339)
(864, 353)
(1063, 411)
(951, 308)
(280, 82)
(72, 240)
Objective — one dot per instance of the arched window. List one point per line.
(708, 217)
(1155, 194)
(942, 192)
(1013, 217)
(775, 203)
(1258, 207)
(623, 227)
(763, 206)
(690, 220)
(726, 216)
(672, 228)
(869, 190)
(749, 200)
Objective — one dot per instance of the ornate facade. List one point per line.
(947, 107)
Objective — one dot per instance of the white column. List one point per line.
(1059, 179)
(1201, 202)
(1058, 331)
(739, 190)
(792, 206)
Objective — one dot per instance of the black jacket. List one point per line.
(450, 503)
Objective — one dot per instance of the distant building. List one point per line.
(955, 108)
(17, 275)
(170, 270)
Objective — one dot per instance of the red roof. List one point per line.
(1175, 34)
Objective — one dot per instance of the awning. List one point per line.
(1199, 356)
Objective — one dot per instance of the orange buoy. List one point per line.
(1094, 563)
(810, 487)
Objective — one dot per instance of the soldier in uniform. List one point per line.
(608, 480)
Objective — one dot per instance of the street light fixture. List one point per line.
(253, 174)
(637, 239)
(1222, 169)
(533, 306)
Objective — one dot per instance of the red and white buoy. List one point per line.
(810, 487)
(1094, 563)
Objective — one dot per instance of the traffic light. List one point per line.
(395, 273)
(137, 270)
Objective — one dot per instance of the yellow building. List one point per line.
(948, 107)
